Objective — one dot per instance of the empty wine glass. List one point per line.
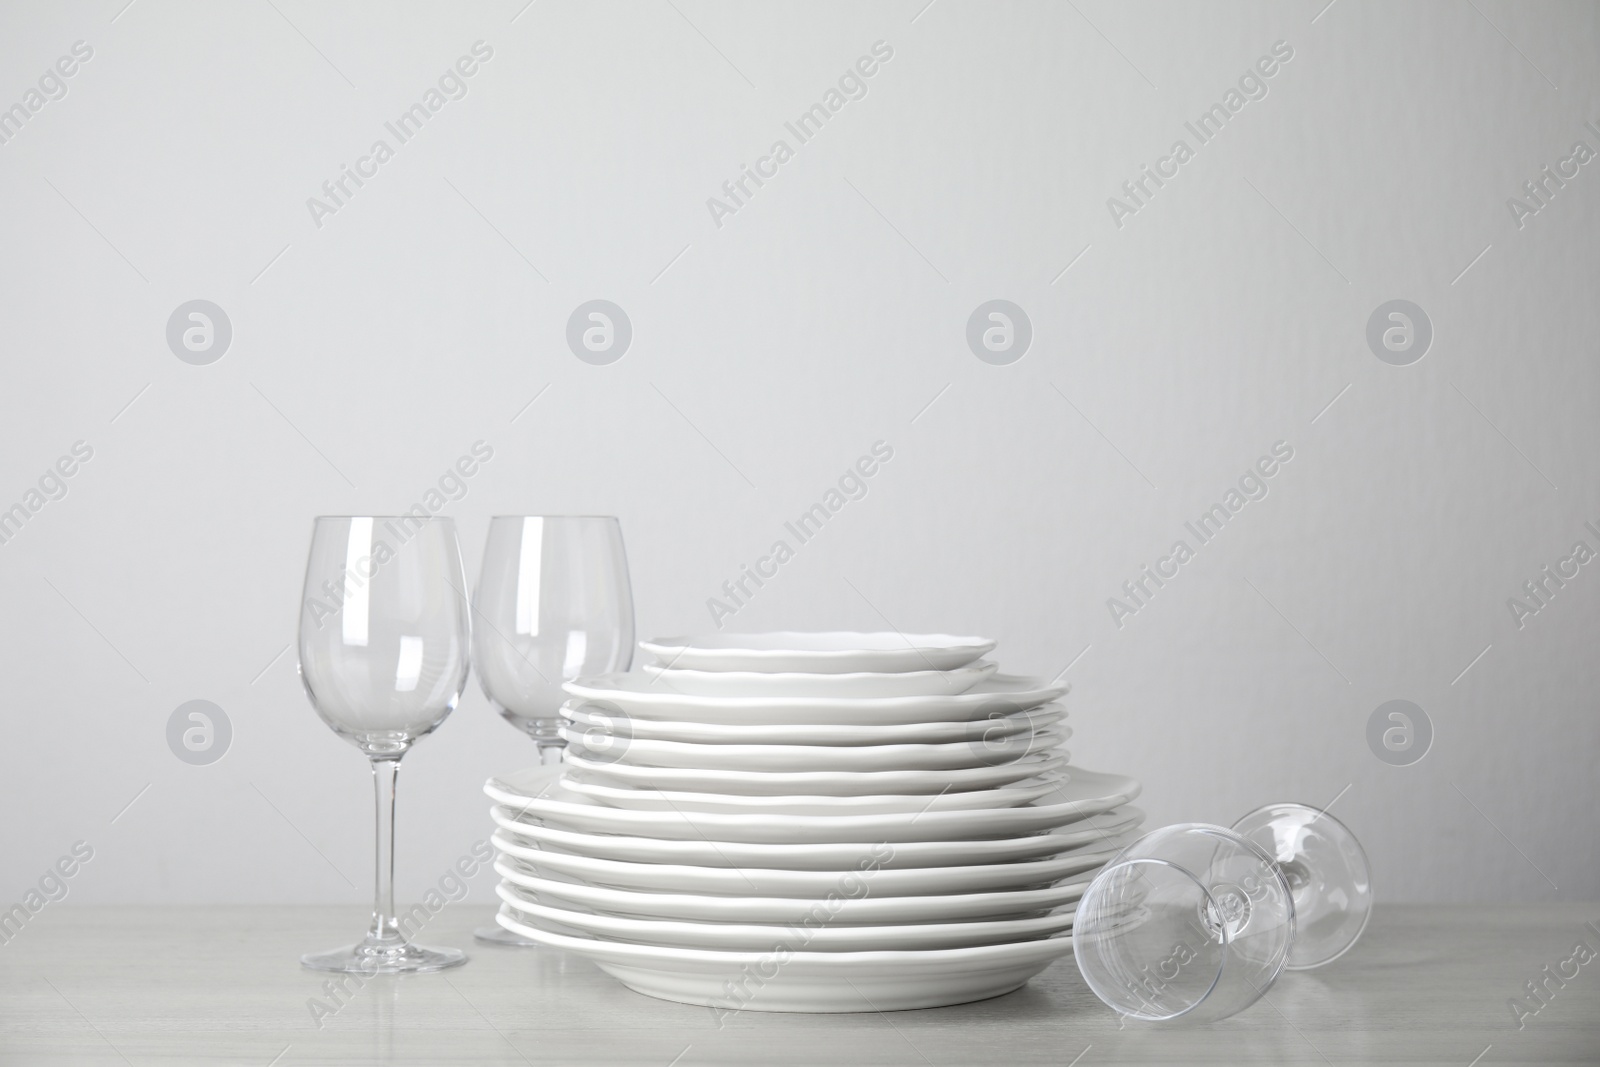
(1328, 877)
(553, 603)
(384, 655)
(1197, 921)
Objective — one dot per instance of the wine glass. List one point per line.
(1197, 921)
(384, 639)
(1328, 877)
(553, 603)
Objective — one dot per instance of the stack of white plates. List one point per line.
(810, 822)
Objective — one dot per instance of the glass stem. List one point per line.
(384, 926)
(546, 733)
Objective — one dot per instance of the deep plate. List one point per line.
(811, 684)
(826, 856)
(853, 899)
(633, 696)
(639, 798)
(1083, 795)
(813, 883)
(817, 934)
(817, 653)
(913, 733)
(786, 759)
(828, 783)
(810, 981)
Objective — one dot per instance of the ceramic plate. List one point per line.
(853, 900)
(830, 783)
(712, 733)
(815, 935)
(810, 981)
(818, 653)
(807, 684)
(640, 799)
(833, 856)
(989, 752)
(632, 695)
(768, 882)
(823, 856)
(1084, 794)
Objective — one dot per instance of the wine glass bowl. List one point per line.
(1190, 920)
(1328, 876)
(384, 653)
(1195, 921)
(553, 603)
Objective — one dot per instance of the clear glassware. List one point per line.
(384, 655)
(1328, 877)
(553, 603)
(1196, 921)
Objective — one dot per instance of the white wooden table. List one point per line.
(92, 986)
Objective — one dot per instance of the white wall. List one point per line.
(825, 314)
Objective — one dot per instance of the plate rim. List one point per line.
(626, 816)
(584, 687)
(957, 959)
(1064, 912)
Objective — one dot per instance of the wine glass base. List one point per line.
(499, 935)
(372, 957)
(1327, 873)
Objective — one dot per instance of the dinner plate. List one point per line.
(955, 755)
(832, 783)
(809, 981)
(714, 733)
(853, 899)
(824, 856)
(645, 799)
(770, 882)
(1084, 794)
(632, 695)
(810, 684)
(817, 653)
(817, 934)
(814, 856)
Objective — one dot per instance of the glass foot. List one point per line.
(499, 935)
(1327, 874)
(384, 957)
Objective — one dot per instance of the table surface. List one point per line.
(221, 985)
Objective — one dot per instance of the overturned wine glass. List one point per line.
(1196, 921)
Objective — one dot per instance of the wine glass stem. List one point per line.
(384, 926)
(546, 733)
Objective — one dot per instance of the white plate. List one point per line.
(768, 882)
(816, 935)
(817, 653)
(832, 856)
(831, 783)
(640, 799)
(632, 696)
(810, 684)
(713, 733)
(852, 900)
(989, 752)
(1083, 795)
(810, 981)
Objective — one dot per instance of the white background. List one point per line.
(770, 352)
